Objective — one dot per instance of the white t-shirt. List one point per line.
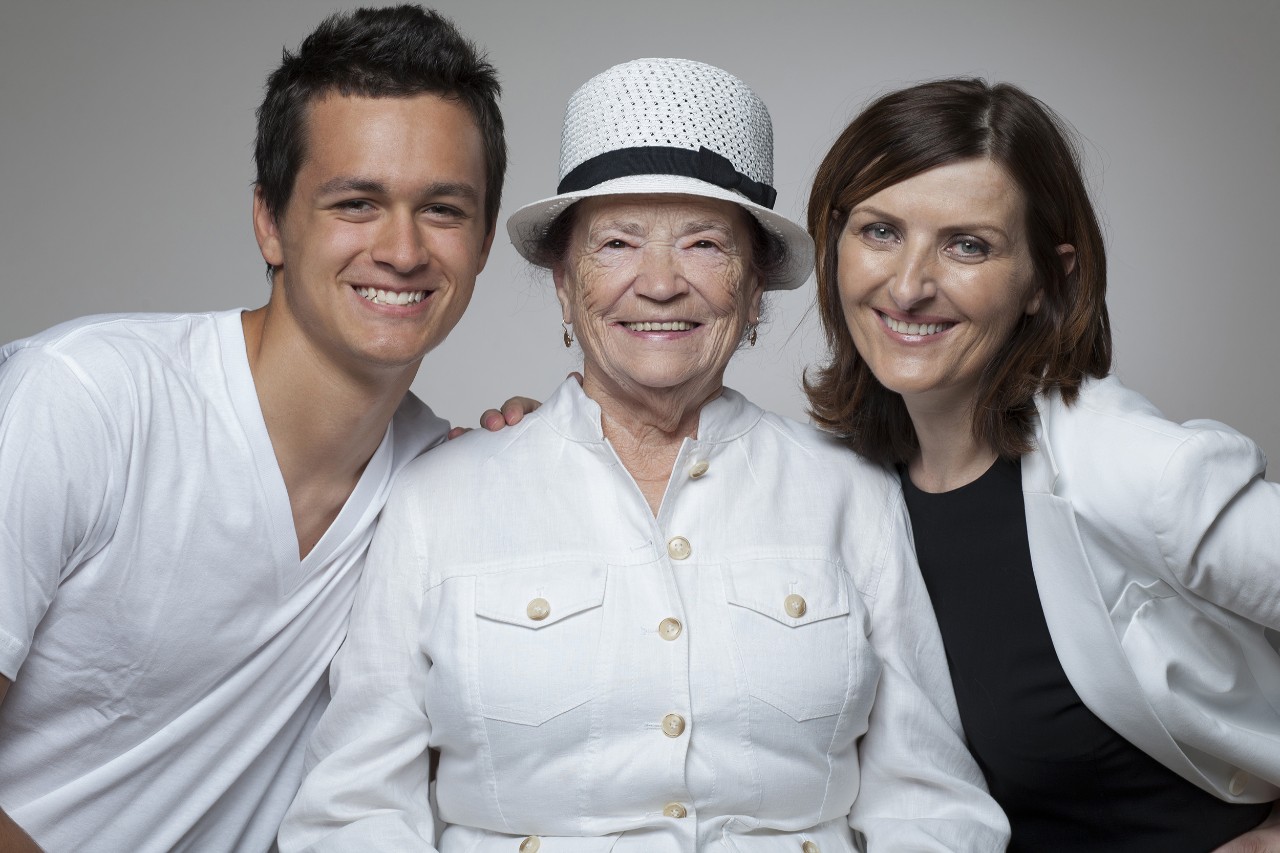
(167, 648)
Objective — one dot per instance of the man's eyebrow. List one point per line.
(346, 183)
(370, 186)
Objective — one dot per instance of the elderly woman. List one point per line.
(1107, 582)
(650, 617)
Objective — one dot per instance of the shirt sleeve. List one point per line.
(920, 788)
(61, 469)
(1217, 521)
(366, 786)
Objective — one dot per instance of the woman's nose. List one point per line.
(914, 277)
(659, 276)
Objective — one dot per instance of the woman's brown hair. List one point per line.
(910, 131)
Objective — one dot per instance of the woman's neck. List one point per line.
(950, 455)
(647, 427)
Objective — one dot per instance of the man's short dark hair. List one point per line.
(393, 52)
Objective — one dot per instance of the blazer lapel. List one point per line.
(1079, 620)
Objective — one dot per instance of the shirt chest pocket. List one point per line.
(537, 638)
(791, 625)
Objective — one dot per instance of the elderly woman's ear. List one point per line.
(562, 292)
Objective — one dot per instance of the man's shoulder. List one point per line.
(100, 340)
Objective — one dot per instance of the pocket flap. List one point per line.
(792, 592)
(539, 596)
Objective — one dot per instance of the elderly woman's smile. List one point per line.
(658, 289)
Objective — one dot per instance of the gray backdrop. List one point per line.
(126, 160)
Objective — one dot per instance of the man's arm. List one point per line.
(12, 838)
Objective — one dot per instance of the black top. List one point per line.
(1065, 779)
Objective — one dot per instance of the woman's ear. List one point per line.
(1067, 254)
(562, 292)
(753, 307)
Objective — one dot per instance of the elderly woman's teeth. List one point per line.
(915, 328)
(670, 326)
(391, 297)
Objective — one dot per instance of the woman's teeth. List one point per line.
(391, 297)
(670, 326)
(915, 328)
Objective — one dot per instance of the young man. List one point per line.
(187, 499)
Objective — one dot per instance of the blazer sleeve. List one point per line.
(920, 788)
(1217, 522)
(367, 764)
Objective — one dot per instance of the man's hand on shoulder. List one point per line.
(511, 413)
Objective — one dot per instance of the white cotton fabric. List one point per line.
(167, 647)
(797, 728)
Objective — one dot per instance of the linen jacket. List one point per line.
(1156, 550)
(755, 669)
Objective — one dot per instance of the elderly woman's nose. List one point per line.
(398, 243)
(913, 277)
(659, 275)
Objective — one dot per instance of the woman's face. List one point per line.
(658, 290)
(934, 275)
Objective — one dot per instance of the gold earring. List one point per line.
(568, 336)
(751, 333)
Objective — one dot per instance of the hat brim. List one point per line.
(529, 224)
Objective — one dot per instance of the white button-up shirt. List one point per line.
(755, 669)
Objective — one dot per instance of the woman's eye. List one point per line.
(615, 244)
(970, 247)
(878, 232)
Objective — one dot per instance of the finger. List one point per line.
(457, 431)
(492, 420)
(516, 408)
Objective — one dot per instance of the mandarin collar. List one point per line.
(576, 416)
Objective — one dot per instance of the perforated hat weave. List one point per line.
(668, 126)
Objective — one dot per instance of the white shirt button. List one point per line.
(538, 609)
(673, 725)
(532, 844)
(1239, 780)
(674, 810)
(699, 468)
(679, 548)
(809, 847)
(795, 605)
(669, 629)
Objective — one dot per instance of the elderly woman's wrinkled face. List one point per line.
(658, 289)
(935, 273)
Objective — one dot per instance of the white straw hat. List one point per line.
(668, 126)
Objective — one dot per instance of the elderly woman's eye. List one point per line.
(615, 244)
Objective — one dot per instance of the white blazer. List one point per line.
(1156, 549)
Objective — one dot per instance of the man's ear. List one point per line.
(267, 230)
(484, 250)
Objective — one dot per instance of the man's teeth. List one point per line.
(391, 297)
(915, 328)
(669, 326)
